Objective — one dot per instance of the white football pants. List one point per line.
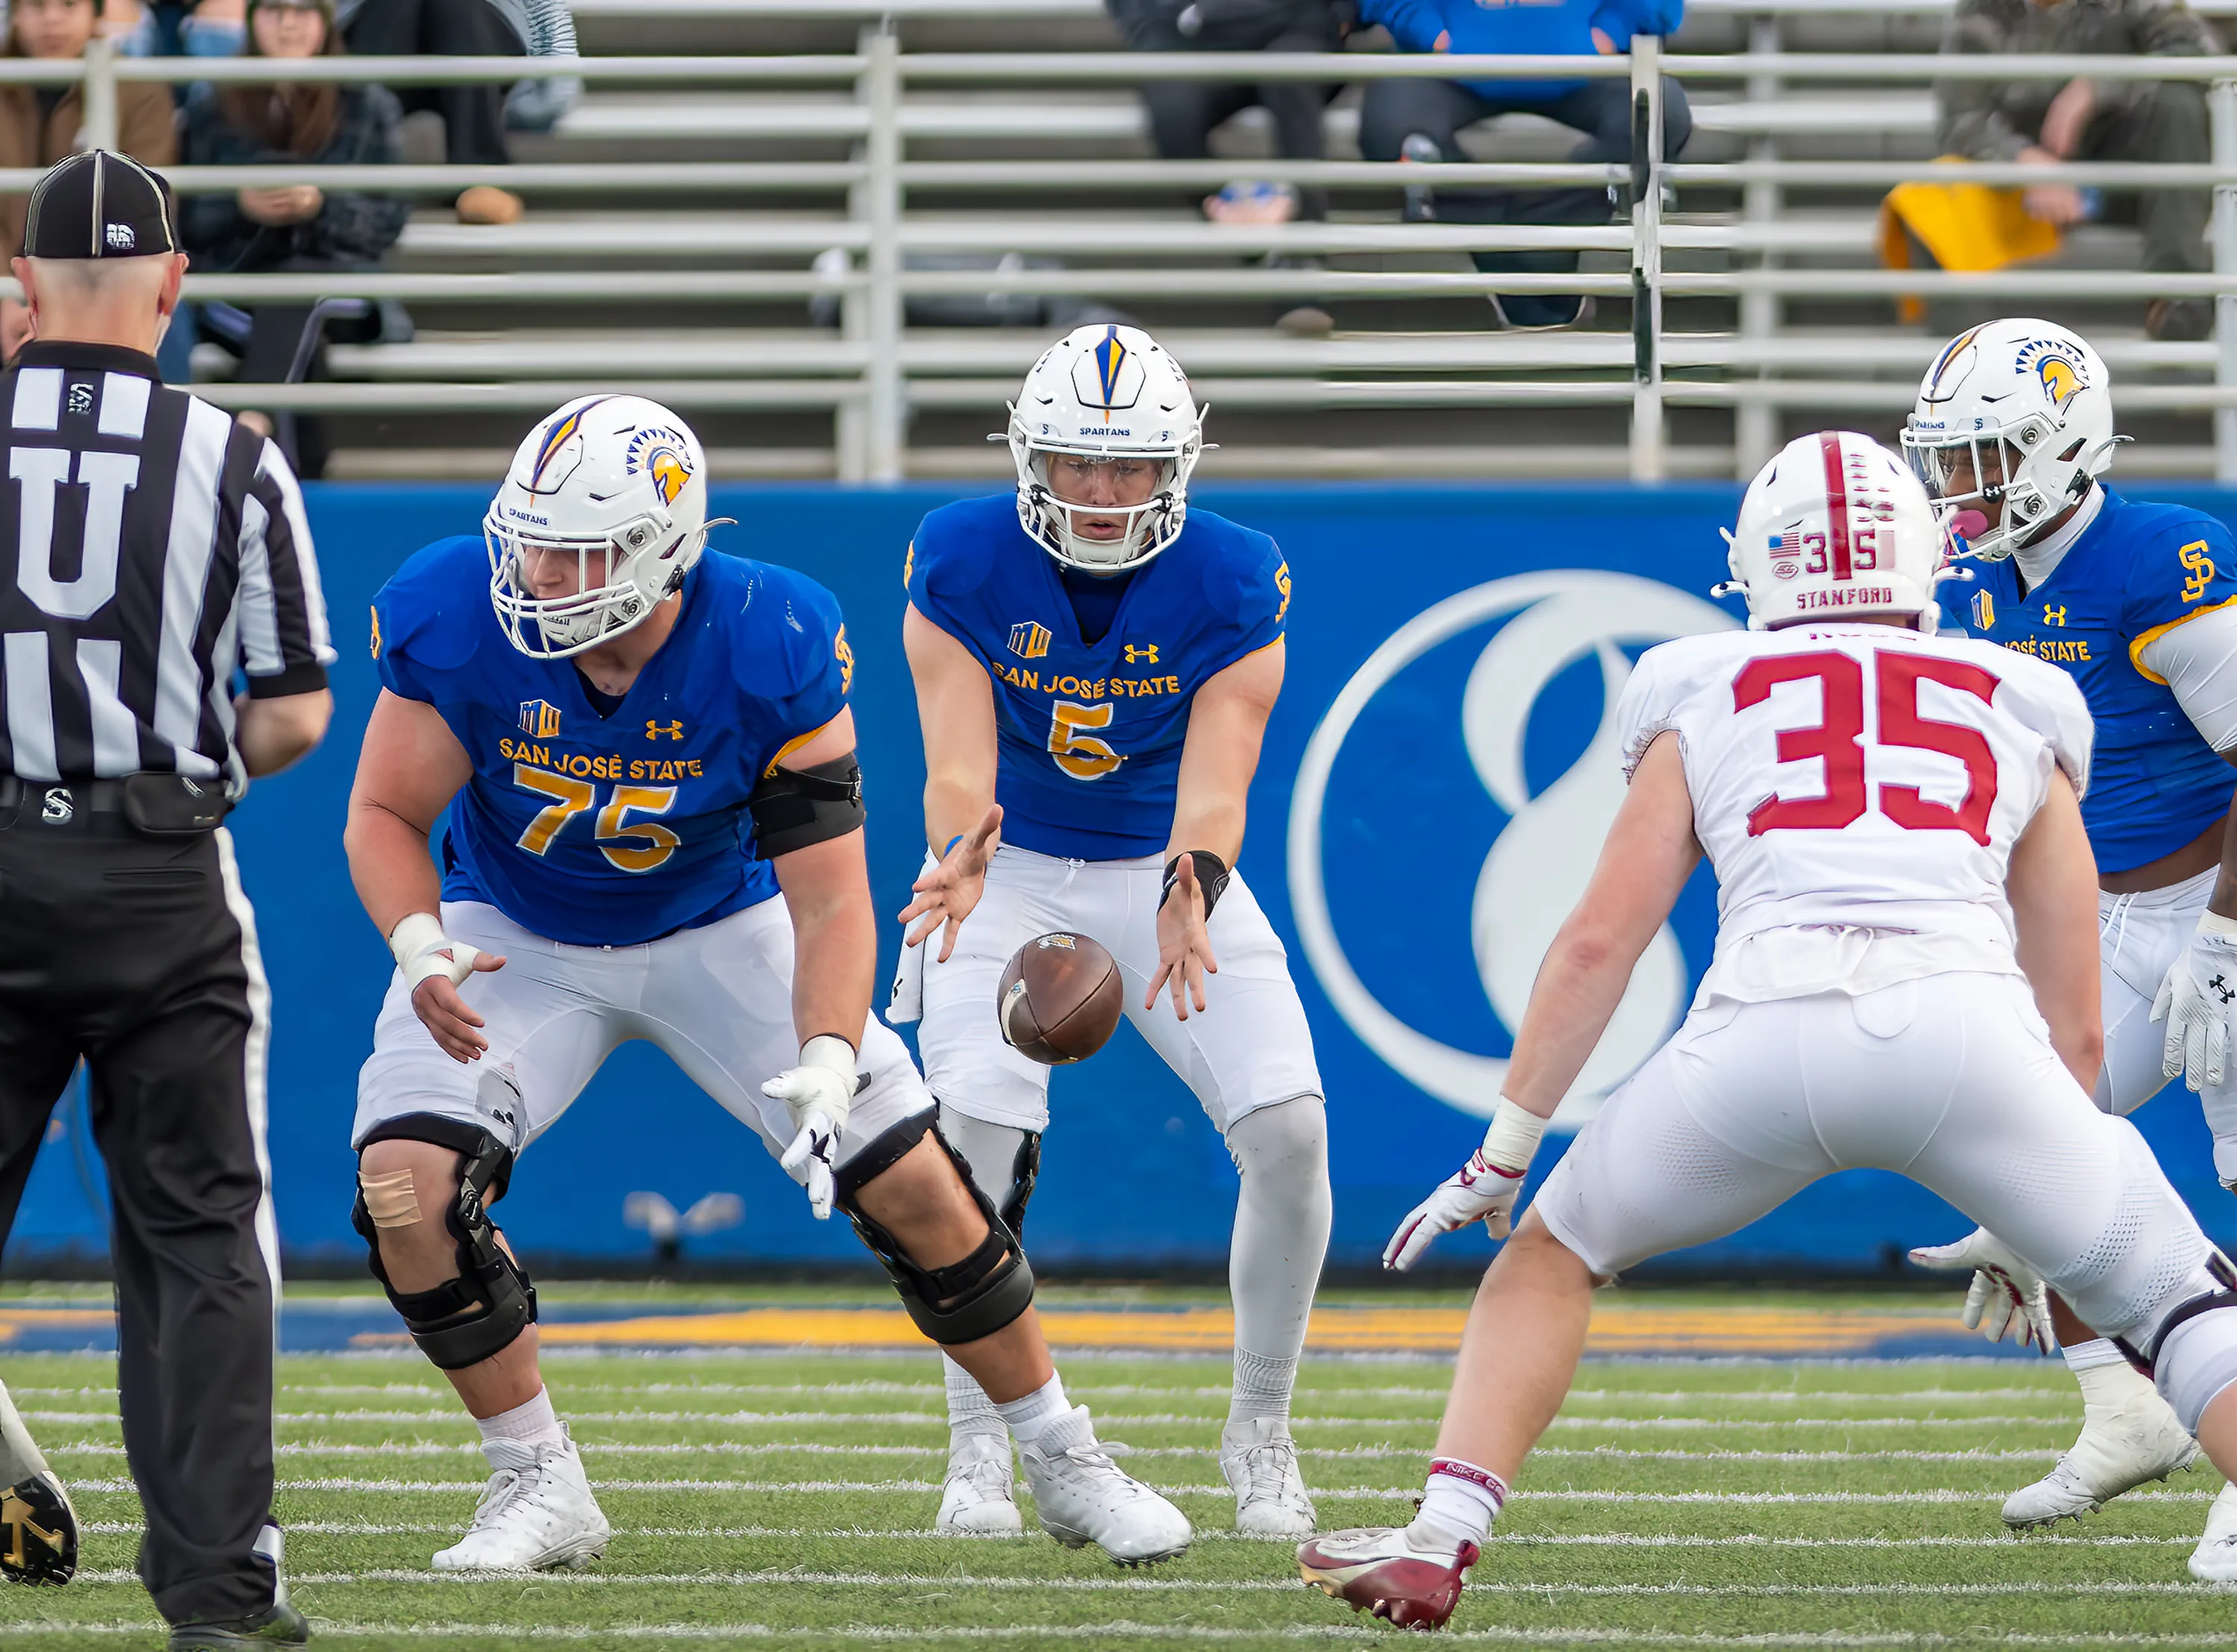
(1950, 1081)
(2140, 937)
(717, 999)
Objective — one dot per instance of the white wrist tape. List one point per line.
(419, 943)
(2216, 924)
(829, 1050)
(1512, 1138)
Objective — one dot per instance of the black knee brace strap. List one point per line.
(2206, 1302)
(965, 1301)
(464, 1320)
(1023, 1174)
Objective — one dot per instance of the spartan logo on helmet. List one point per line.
(663, 456)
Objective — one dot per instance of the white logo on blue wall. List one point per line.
(1540, 863)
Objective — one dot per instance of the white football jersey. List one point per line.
(1859, 789)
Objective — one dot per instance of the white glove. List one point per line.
(419, 944)
(2194, 1001)
(2006, 1295)
(1482, 1190)
(818, 1094)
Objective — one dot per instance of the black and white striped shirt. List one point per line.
(160, 548)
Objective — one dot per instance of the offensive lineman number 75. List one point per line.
(1836, 741)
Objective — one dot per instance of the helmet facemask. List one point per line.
(1970, 475)
(1148, 526)
(620, 578)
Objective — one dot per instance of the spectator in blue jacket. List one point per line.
(1420, 120)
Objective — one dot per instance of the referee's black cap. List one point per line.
(101, 205)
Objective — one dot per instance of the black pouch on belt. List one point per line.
(169, 805)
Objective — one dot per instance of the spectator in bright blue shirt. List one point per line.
(1420, 120)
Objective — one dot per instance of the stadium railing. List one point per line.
(873, 372)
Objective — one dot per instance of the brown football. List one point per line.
(1060, 999)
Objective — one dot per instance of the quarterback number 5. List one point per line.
(631, 848)
(1082, 756)
(1836, 741)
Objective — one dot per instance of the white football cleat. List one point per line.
(2126, 1438)
(2214, 1560)
(1082, 1497)
(536, 1511)
(1260, 1462)
(979, 1499)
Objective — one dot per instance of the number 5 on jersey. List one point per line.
(639, 848)
(1082, 756)
(1836, 741)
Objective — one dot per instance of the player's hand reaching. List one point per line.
(946, 893)
(1478, 1191)
(2006, 1296)
(2195, 1001)
(1184, 944)
(818, 1094)
(434, 967)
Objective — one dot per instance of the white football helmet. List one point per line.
(1836, 528)
(1105, 392)
(618, 481)
(2029, 406)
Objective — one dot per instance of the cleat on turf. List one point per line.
(1082, 1497)
(1260, 1461)
(280, 1624)
(2214, 1560)
(980, 1498)
(38, 1530)
(2123, 1445)
(1382, 1570)
(537, 1512)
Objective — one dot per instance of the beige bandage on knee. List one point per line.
(389, 1199)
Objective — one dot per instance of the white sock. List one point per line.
(1281, 1236)
(969, 1410)
(531, 1422)
(1458, 1505)
(20, 1457)
(1028, 1416)
(2091, 1356)
(1262, 1389)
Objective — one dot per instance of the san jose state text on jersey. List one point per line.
(2138, 570)
(610, 831)
(1089, 736)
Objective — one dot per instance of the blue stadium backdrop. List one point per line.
(1434, 785)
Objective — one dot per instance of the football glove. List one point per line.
(1482, 1190)
(2195, 1001)
(2006, 1296)
(817, 1094)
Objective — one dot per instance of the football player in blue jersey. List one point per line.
(1095, 660)
(2012, 432)
(636, 748)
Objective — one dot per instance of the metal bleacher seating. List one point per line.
(750, 298)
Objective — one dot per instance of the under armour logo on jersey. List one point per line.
(1029, 639)
(57, 807)
(539, 718)
(2219, 985)
(1146, 654)
(654, 730)
(2054, 616)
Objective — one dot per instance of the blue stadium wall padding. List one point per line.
(1433, 785)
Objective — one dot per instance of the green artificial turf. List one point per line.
(787, 1497)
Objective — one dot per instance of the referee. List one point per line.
(151, 552)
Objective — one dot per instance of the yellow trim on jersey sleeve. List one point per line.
(799, 741)
(2144, 641)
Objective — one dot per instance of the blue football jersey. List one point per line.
(610, 831)
(2137, 572)
(1089, 735)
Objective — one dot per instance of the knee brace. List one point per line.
(464, 1320)
(965, 1301)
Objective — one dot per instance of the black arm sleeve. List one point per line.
(794, 808)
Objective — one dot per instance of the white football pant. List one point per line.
(2139, 936)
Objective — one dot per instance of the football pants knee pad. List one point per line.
(464, 1320)
(965, 1301)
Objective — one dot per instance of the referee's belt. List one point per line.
(158, 805)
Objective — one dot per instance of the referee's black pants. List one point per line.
(138, 955)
